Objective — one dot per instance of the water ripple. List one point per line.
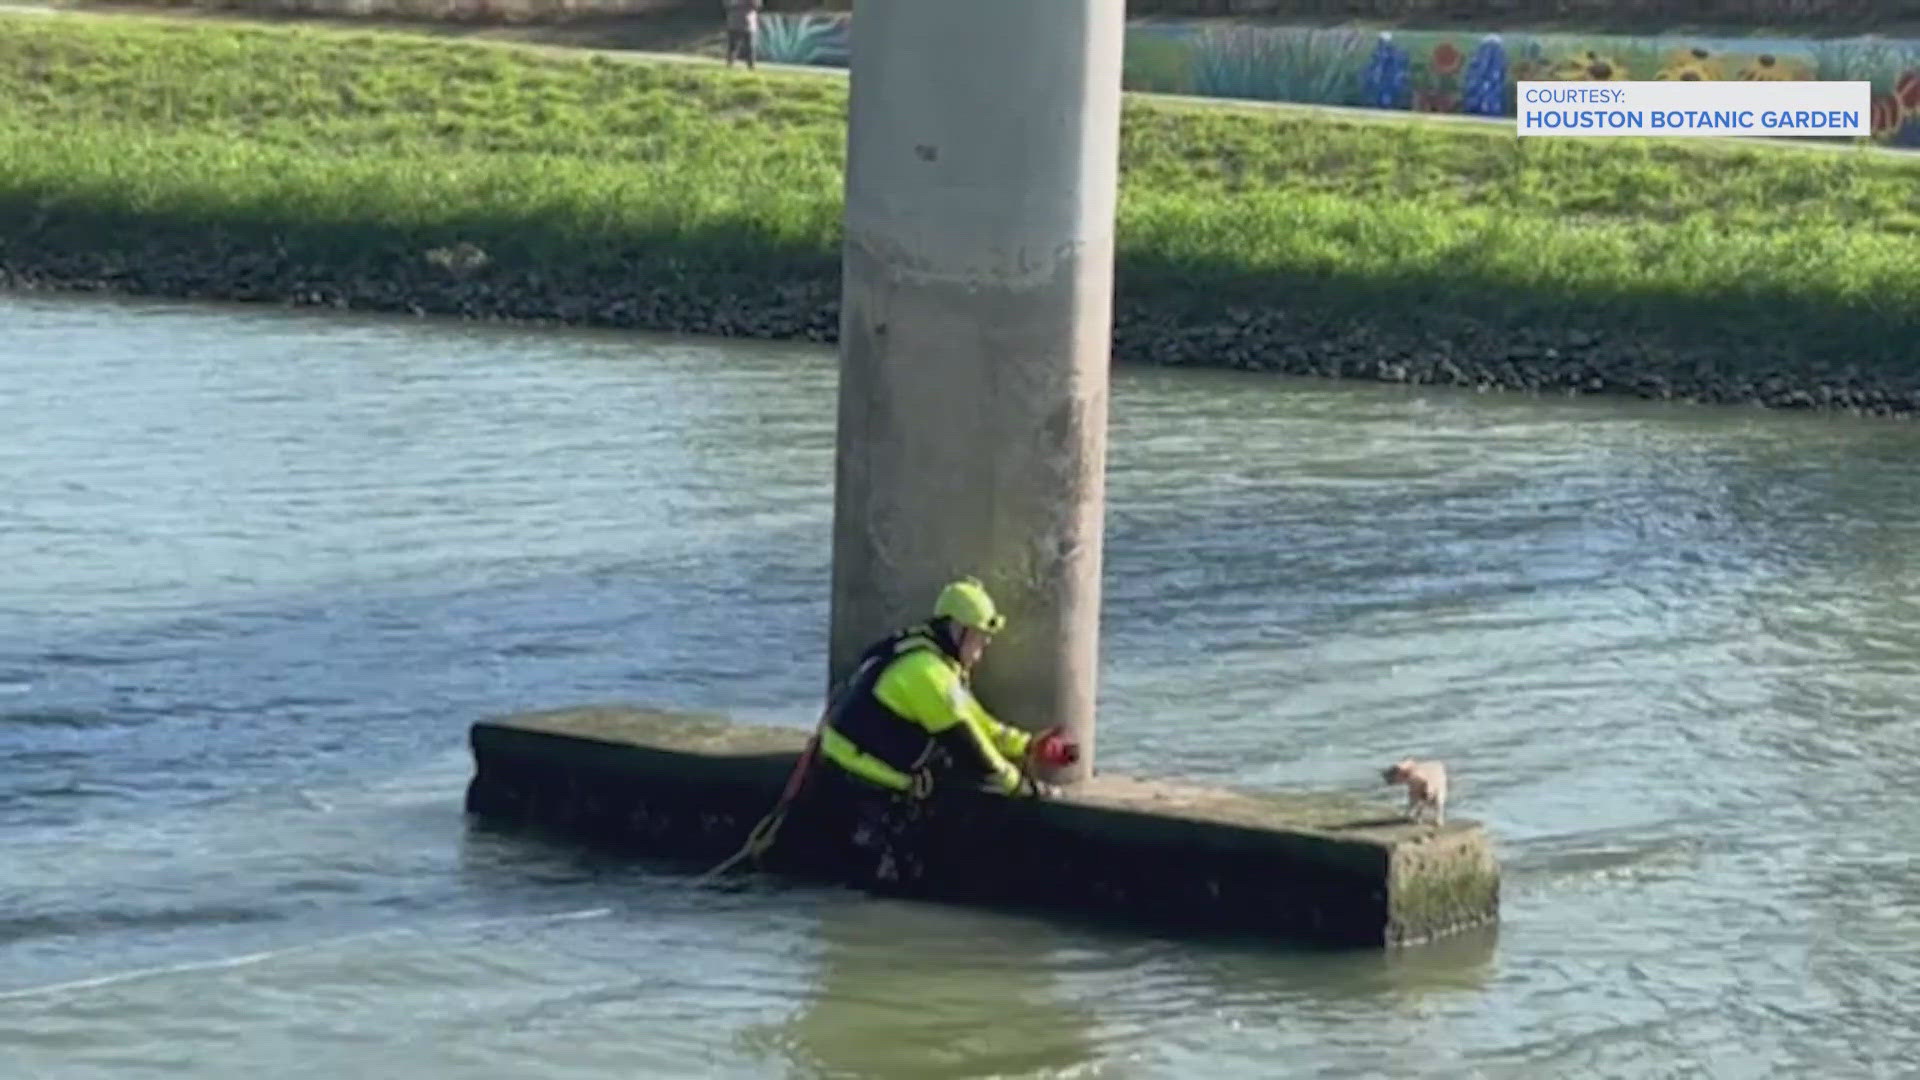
(265, 567)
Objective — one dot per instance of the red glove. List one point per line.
(1053, 749)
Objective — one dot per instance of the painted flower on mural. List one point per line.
(819, 38)
(1436, 84)
(1691, 65)
(1906, 90)
(1387, 81)
(1770, 68)
(1591, 66)
(1483, 86)
(1884, 116)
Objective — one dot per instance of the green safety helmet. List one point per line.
(967, 603)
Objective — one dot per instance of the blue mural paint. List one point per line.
(1483, 90)
(1387, 80)
(1434, 71)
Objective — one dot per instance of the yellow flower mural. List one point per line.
(1590, 66)
(1767, 67)
(1691, 65)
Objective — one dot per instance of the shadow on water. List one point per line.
(961, 990)
(1245, 969)
(903, 987)
(964, 992)
(953, 993)
(894, 988)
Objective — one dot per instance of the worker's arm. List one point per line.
(924, 688)
(1009, 740)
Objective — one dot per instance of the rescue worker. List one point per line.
(906, 725)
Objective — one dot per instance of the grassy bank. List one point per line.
(339, 159)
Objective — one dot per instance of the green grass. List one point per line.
(344, 138)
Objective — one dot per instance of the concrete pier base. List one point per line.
(1312, 868)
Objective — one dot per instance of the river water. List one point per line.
(263, 568)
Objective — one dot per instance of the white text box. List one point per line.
(1712, 109)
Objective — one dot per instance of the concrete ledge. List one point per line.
(1325, 869)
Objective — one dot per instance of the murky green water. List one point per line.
(262, 569)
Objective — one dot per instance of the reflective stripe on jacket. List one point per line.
(909, 699)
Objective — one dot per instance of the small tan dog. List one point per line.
(1426, 787)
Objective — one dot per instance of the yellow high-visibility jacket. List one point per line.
(908, 700)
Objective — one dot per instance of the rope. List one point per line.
(760, 840)
(767, 829)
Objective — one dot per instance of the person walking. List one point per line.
(743, 30)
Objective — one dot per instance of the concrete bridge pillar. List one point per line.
(982, 172)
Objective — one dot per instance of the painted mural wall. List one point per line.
(1442, 72)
